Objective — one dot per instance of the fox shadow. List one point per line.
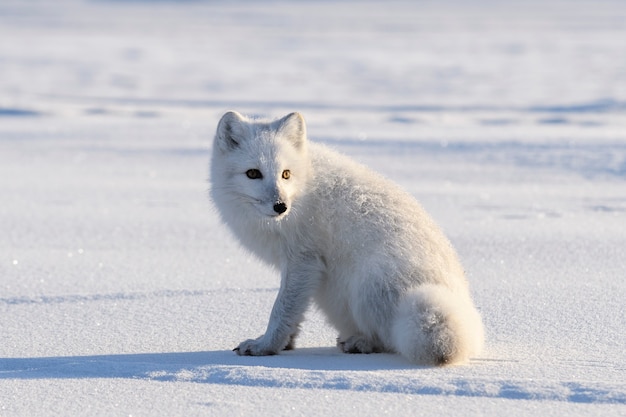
(324, 368)
(175, 365)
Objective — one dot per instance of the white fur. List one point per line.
(368, 254)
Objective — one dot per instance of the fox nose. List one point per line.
(280, 208)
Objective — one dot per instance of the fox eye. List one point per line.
(286, 174)
(254, 174)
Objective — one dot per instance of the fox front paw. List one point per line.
(253, 347)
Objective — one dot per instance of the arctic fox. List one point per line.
(363, 249)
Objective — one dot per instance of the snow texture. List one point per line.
(122, 294)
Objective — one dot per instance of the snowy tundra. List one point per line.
(122, 292)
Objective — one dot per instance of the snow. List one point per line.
(122, 294)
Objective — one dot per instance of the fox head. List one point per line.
(258, 167)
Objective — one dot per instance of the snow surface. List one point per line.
(120, 292)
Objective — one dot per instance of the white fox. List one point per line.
(363, 249)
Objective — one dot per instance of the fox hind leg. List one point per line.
(359, 344)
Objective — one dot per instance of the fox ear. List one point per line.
(231, 131)
(293, 128)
